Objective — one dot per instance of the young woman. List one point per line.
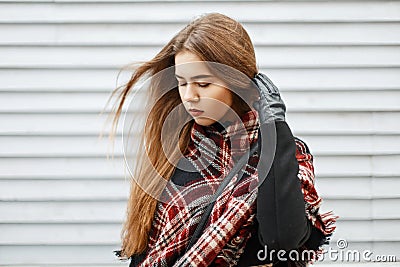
(208, 107)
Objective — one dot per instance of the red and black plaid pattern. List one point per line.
(212, 152)
(324, 222)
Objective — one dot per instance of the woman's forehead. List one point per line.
(193, 70)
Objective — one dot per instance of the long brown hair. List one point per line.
(212, 37)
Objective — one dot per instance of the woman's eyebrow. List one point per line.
(201, 76)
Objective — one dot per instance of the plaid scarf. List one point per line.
(212, 152)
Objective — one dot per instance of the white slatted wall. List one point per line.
(61, 201)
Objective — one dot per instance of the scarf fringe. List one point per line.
(327, 225)
(329, 222)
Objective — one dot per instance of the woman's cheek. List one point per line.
(217, 111)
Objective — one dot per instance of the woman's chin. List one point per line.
(204, 121)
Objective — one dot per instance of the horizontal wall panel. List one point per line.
(31, 190)
(48, 102)
(161, 33)
(286, 79)
(58, 124)
(366, 188)
(326, 56)
(101, 168)
(74, 57)
(324, 34)
(96, 102)
(268, 11)
(350, 123)
(387, 186)
(108, 234)
(345, 101)
(385, 208)
(334, 79)
(67, 255)
(343, 188)
(341, 208)
(49, 80)
(62, 168)
(63, 212)
(302, 123)
(59, 146)
(378, 230)
(114, 211)
(66, 102)
(60, 234)
(267, 56)
(92, 146)
(350, 166)
(352, 144)
(62, 190)
(364, 209)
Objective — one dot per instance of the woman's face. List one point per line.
(205, 96)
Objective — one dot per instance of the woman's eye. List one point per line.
(203, 84)
(182, 84)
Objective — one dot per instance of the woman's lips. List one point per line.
(195, 112)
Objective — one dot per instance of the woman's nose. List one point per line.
(191, 94)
